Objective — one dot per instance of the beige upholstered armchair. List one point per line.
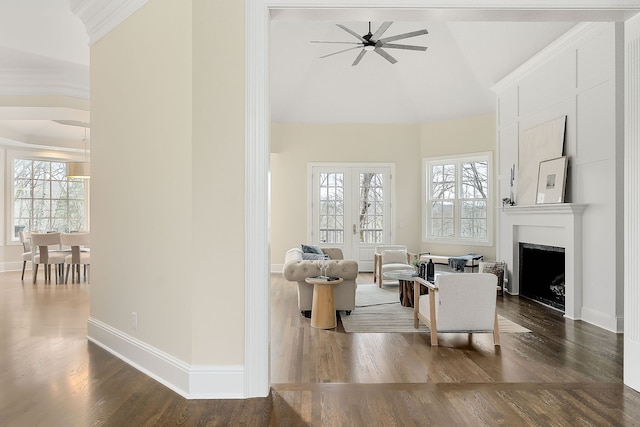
(462, 302)
(390, 258)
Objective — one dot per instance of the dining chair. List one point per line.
(78, 242)
(43, 254)
(25, 239)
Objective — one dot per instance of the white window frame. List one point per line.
(427, 164)
(10, 180)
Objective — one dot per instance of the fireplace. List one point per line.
(542, 275)
(556, 225)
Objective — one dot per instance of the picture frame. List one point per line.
(552, 178)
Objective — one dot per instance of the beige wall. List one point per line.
(167, 183)
(461, 136)
(217, 263)
(295, 146)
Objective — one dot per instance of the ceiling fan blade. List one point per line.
(404, 36)
(359, 57)
(353, 33)
(403, 46)
(385, 55)
(318, 41)
(380, 31)
(340, 51)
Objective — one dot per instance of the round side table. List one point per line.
(323, 309)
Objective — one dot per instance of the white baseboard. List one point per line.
(189, 381)
(14, 266)
(277, 268)
(602, 320)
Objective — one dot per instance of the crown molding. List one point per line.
(102, 16)
(571, 38)
(43, 82)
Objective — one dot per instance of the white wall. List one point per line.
(578, 76)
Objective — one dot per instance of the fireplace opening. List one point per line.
(542, 274)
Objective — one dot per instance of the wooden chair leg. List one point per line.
(35, 273)
(24, 265)
(496, 332)
(66, 276)
(433, 327)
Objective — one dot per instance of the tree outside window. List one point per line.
(457, 199)
(44, 199)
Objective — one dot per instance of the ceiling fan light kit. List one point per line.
(371, 42)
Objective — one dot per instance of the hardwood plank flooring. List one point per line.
(564, 373)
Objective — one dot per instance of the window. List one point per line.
(458, 199)
(44, 199)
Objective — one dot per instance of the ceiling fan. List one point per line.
(372, 42)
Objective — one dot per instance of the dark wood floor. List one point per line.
(564, 373)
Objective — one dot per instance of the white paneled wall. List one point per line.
(632, 205)
(578, 76)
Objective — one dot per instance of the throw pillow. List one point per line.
(312, 249)
(311, 257)
(394, 256)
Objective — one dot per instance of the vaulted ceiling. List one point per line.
(44, 50)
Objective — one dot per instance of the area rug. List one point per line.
(371, 294)
(396, 318)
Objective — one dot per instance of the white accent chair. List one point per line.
(42, 254)
(462, 302)
(78, 242)
(390, 258)
(25, 239)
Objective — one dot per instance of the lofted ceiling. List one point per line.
(451, 79)
(44, 50)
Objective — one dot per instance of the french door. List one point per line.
(351, 208)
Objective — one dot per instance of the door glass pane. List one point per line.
(370, 207)
(331, 215)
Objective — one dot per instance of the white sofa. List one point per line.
(296, 270)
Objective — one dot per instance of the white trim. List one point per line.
(631, 374)
(14, 266)
(189, 381)
(257, 202)
(351, 170)
(459, 158)
(558, 46)
(44, 82)
(102, 16)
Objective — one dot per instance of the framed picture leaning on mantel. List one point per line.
(552, 178)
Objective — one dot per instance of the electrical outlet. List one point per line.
(134, 320)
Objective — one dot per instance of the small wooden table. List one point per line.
(405, 288)
(323, 309)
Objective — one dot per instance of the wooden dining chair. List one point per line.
(43, 254)
(78, 242)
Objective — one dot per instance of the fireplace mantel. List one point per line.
(551, 208)
(547, 224)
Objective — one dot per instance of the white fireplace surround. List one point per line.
(552, 225)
